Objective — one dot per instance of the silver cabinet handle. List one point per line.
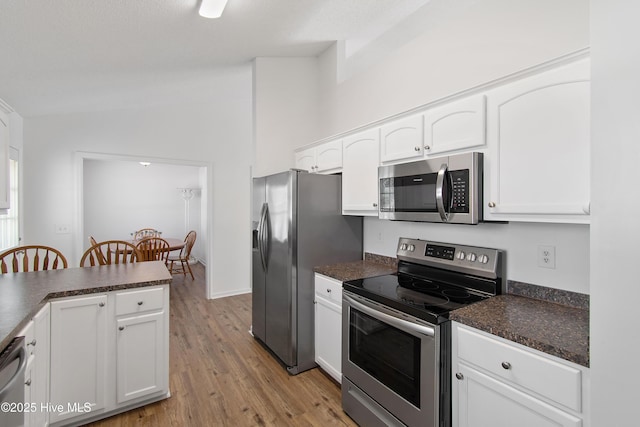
(140, 302)
(121, 328)
(426, 147)
(492, 205)
(375, 205)
(328, 290)
(33, 342)
(506, 365)
(459, 375)
(416, 148)
(101, 304)
(28, 382)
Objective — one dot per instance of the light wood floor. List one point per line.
(221, 376)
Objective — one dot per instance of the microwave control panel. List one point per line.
(459, 191)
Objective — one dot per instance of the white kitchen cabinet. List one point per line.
(323, 158)
(4, 159)
(360, 160)
(328, 325)
(110, 350)
(457, 125)
(36, 334)
(141, 344)
(496, 381)
(78, 355)
(402, 139)
(537, 164)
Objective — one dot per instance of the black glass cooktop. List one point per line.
(430, 300)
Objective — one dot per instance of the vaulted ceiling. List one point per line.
(75, 55)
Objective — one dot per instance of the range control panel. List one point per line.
(474, 260)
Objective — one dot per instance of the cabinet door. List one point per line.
(455, 126)
(402, 139)
(40, 371)
(481, 401)
(329, 156)
(537, 167)
(328, 337)
(78, 348)
(306, 160)
(4, 161)
(141, 362)
(360, 173)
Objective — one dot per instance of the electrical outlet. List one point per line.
(547, 256)
(63, 229)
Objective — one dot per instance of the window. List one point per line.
(9, 223)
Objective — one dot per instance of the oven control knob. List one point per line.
(471, 257)
(412, 248)
(403, 247)
(461, 255)
(483, 259)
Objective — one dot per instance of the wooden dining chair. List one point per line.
(110, 252)
(183, 257)
(154, 249)
(31, 258)
(143, 233)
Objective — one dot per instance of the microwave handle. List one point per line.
(440, 183)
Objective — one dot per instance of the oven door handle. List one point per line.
(391, 320)
(440, 181)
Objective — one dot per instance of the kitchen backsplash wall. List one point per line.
(520, 242)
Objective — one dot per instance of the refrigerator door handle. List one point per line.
(267, 236)
(261, 236)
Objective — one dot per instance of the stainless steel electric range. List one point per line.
(396, 332)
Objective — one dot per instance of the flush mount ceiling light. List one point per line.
(145, 164)
(212, 8)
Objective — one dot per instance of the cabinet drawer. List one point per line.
(553, 380)
(328, 288)
(138, 301)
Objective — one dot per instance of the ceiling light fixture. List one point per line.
(145, 164)
(212, 8)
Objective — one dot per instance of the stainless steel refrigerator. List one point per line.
(297, 225)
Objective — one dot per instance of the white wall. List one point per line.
(615, 207)
(285, 103)
(217, 132)
(482, 42)
(120, 197)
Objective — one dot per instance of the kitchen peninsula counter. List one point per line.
(372, 265)
(552, 328)
(23, 294)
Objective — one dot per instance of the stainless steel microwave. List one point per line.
(443, 189)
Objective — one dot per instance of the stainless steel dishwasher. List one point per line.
(13, 362)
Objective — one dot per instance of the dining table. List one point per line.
(174, 243)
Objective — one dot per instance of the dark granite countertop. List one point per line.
(552, 328)
(23, 294)
(372, 265)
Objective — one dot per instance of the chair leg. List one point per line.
(184, 270)
(190, 272)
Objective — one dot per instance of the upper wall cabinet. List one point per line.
(402, 139)
(360, 173)
(537, 167)
(4, 160)
(324, 158)
(455, 126)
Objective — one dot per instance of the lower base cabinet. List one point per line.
(328, 325)
(499, 383)
(109, 352)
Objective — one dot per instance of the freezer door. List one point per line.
(280, 309)
(258, 272)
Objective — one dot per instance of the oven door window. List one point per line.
(415, 193)
(386, 353)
